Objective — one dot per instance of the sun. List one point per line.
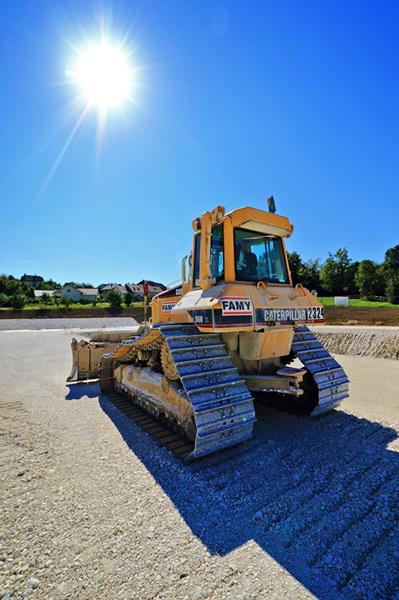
(103, 74)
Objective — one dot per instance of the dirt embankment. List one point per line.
(341, 315)
(360, 341)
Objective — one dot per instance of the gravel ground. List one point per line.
(91, 507)
(70, 323)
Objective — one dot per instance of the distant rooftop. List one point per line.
(31, 278)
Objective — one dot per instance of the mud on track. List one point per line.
(93, 507)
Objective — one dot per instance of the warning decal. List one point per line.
(235, 305)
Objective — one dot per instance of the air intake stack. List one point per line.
(271, 204)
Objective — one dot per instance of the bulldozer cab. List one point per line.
(246, 245)
(256, 256)
(239, 276)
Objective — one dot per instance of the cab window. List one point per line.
(217, 256)
(259, 256)
(197, 244)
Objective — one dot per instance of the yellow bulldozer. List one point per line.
(222, 337)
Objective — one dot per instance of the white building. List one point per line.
(117, 287)
(76, 294)
(40, 293)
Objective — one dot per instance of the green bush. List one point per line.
(114, 298)
(66, 302)
(4, 300)
(18, 301)
(129, 298)
(46, 299)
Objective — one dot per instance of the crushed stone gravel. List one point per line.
(92, 507)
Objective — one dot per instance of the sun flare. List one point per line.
(103, 74)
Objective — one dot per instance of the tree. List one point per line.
(47, 285)
(18, 301)
(11, 287)
(392, 258)
(114, 298)
(391, 274)
(392, 287)
(368, 279)
(336, 274)
(46, 299)
(128, 298)
(4, 299)
(295, 263)
(380, 281)
(353, 289)
(307, 273)
(310, 274)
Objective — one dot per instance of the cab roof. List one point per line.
(250, 218)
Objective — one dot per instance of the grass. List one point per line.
(325, 300)
(73, 306)
(356, 303)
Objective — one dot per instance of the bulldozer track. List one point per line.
(330, 378)
(172, 440)
(222, 404)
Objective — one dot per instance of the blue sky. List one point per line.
(234, 101)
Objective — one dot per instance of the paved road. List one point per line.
(69, 323)
(92, 508)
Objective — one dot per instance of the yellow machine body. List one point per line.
(221, 338)
(231, 306)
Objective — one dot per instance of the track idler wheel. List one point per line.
(310, 397)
